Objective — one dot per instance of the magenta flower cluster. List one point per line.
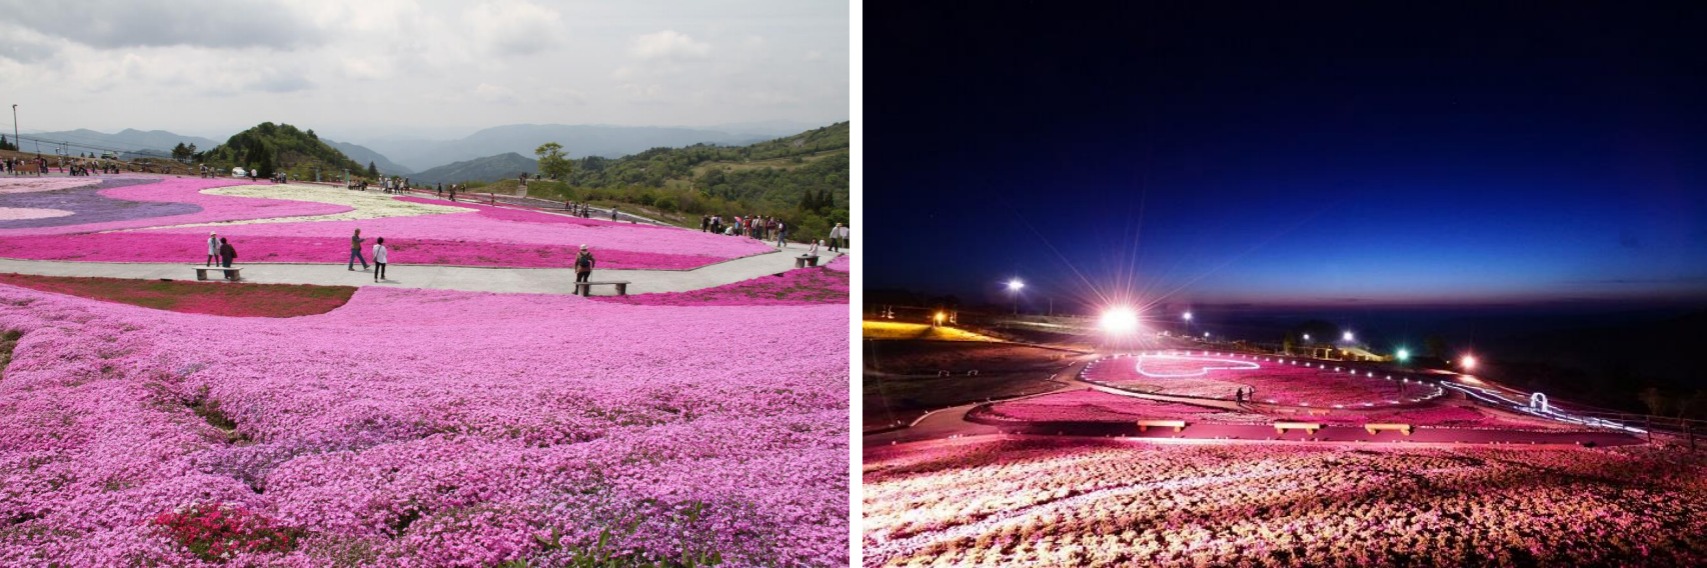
(1284, 381)
(428, 428)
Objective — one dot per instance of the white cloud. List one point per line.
(669, 45)
(512, 28)
(494, 93)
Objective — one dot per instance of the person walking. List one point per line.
(356, 251)
(379, 257)
(227, 253)
(212, 247)
(836, 237)
(584, 265)
(781, 234)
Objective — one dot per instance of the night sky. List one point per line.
(1294, 154)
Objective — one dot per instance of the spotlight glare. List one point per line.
(1120, 320)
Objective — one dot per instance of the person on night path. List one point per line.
(379, 257)
(356, 251)
(583, 265)
(212, 247)
(227, 253)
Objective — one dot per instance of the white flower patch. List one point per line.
(363, 204)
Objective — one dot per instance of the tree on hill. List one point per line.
(4, 145)
(269, 148)
(552, 162)
(372, 170)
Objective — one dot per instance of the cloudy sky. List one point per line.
(441, 69)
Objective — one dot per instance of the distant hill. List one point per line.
(128, 140)
(363, 155)
(490, 168)
(577, 140)
(272, 147)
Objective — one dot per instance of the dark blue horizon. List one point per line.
(1296, 155)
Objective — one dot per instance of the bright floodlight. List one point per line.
(1120, 320)
(1306, 337)
(1468, 362)
(1188, 316)
(1348, 336)
(1206, 334)
(1014, 285)
(1404, 354)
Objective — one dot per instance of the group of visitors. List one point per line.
(87, 169)
(393, 184)
(578, 209)
(756, 226)
(1243, 394)
(21, 166)
(453, 188)
(379, 255)
(221, 249)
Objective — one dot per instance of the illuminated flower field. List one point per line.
(130, 219)
(994, 502)
(424, 428)
(1289, 382)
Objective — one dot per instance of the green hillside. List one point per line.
(272, 148)
(802, 179)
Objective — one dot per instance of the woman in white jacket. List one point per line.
(379, 259)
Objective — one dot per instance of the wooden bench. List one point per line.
(1310, 427)
(201, 271)
(805, 260)
(586, 288)
(1401, 428)
(1177, 425)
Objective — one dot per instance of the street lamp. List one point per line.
(1120, 320)
(1013, 289)
(1403, 354)
(1187, 316)
(1468, 362)
(1306, 337)
(16, 145)
(1348, 336)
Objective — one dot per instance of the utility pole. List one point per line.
(16, 145)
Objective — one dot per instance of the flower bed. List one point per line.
(12, 184)
(428, 428)
(802, 286)
(248, 300)
(1106, 503)
(331, 248)
(1095, 406)
(1289, 383)
(840, 264)
(129, 203)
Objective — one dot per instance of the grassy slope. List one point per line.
(214, 298)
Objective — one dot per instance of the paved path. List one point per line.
(536, 280)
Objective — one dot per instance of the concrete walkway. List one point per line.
(525, 280)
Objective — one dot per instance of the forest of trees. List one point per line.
(270, 148)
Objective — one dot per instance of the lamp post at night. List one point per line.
(1014, 287)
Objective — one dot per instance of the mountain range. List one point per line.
(405, 156)
(489, 168)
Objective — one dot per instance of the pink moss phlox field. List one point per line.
(524, 215)
(9, 184)
(214, 208)
(840, 264)
(330, 248)
(428, 428)
(1087, 502)
(467, 236)
(1090, 405)
(817, 285)
(1219, 376)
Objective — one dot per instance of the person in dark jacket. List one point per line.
(583, 265)
(227, 253)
